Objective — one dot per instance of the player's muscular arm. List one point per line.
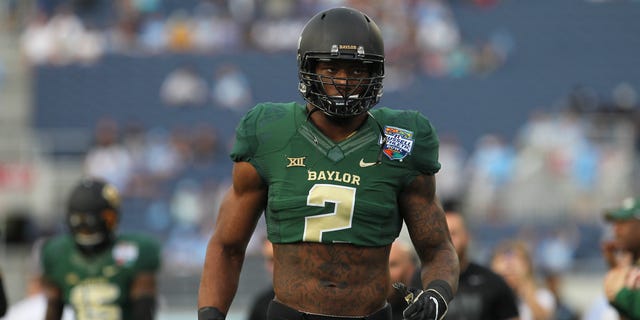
(143, 296)
(239, 213)
(54, 301)
(429, 233)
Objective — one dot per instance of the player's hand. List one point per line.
(423, 305)
(633, 279)
(614, 281)
(614, 255)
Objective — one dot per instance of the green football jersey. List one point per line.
(98, 287)
(322, 191)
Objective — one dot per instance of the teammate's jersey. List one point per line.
(98, 287)
(321, 191)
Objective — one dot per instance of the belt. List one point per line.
(279, 311)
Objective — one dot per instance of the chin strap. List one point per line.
(310, 112)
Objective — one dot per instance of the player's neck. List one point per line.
(337, 129)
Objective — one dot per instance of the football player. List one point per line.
(622, 281)
(101, 274)
(482, 294)
(336, 181)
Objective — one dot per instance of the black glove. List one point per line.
(422, 304)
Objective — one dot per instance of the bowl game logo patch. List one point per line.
(399, 142)
(125, 253)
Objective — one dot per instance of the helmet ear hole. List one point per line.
(302, 88)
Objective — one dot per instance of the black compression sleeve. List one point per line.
(144, 308)
(210, 313)
(3, 299)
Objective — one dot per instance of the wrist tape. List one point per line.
(210, 313)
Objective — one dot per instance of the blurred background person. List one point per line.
(403, 264)
(34, 304)
(512, 260)
(621, 283)
(600, 309)
(107, 158)
(93, 268)
(623, 292)
(260, 304)
(482, 294)
(554, 281)
(231, 88)
(184, 87)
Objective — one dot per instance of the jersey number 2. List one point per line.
(95, 301)
(343, 199)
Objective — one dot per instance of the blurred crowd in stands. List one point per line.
(549, 185)
(559, 172)
(170, 180)
(559, 167)
(420, 36)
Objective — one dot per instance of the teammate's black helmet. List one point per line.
(92, 214)
(346, 34)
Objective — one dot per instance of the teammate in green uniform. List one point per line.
(622, 282)
(335, 180)
(101, 274)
